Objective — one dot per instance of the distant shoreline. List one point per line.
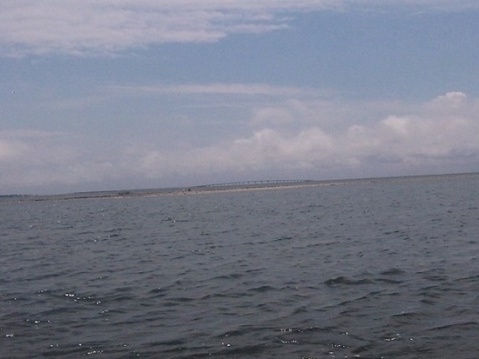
(232, 189)
(179, 191)
(246, 186)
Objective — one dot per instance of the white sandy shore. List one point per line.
(227, 188)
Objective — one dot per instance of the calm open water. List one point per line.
(368, 269)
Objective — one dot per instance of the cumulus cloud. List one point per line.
(441, 133)
(437, 136)
(394, 144)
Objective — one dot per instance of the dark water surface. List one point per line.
(367, 269)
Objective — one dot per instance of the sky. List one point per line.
(129, 94)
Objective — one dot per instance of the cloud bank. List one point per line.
(294, 139)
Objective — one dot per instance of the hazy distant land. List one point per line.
(220, 187)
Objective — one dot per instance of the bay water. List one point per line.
(385, 268)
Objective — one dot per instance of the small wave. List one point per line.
(262, 288)
(283, 238)
(392, 271)
(455, 325)
(341, 280)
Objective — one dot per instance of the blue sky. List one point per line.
(120, 94)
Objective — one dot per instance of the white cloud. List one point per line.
(101, 27)
(86, 27)
(445, 128)
(394, 144)
(252, 89)
(271, 116)
(437, 136)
